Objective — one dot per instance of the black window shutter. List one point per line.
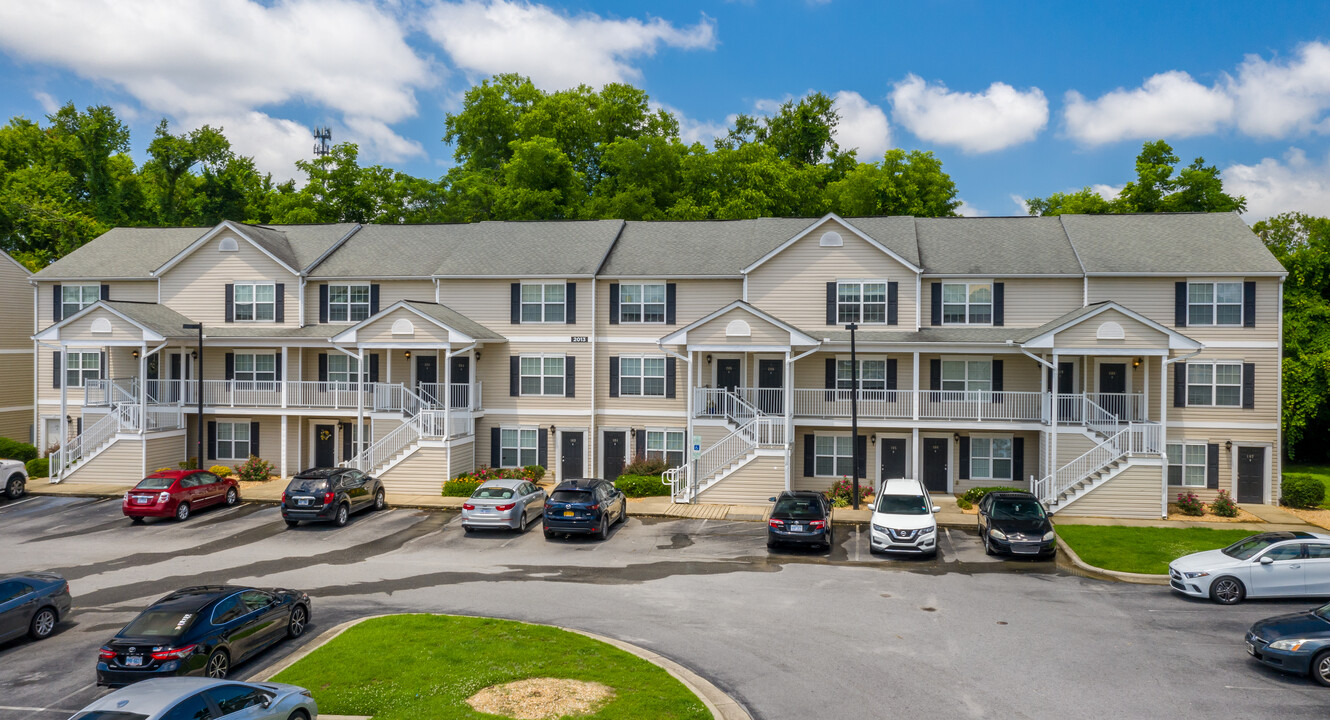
(1180, 304)
(893, 302)
(514, 375)
(230, 366)
(965, 458)
(1174, 471)
(1180, 384)
(230, 302)
(997, 376)
(104, 367)
(999, 303)
(891, 373)
(861, 455)
(671, 377)
(810, 465)
(542, 448)
(936, 318)
(254, 439)
(212, 439)
(1249, 385)
(78, 425)
(56, 370)
(614, 303)
(641, 443)
(831, 373)
(323, 303)
(614, 376)
(106, 291)
(277, 366)
(57, 303)
(570, 303)
(374, 299)
(671, 294)
(1249, 304)
(569, 376)
(1018, 459)
(1212, 466)
(516, 307)
(831, 304)
(494, 447)
(935, 374)
(373, 360)
(323, 367)
(347, 453)
(279, 302)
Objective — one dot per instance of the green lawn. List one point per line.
(408, 667)
(1142, 549)
(1320, 472)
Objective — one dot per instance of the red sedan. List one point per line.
(177, 493)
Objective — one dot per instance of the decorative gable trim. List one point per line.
(52, 333)
(454, 335)
(1176, 340)
(818, 223)
(223, 225)
(797, 336)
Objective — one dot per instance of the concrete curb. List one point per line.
(721, 705)
(1138, 578)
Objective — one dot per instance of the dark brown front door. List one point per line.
(769, 383)
(892, 451)
(727, 374)
(616, 448)
(936, 452)
(1251, 474)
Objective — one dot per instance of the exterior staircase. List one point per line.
(93, 441)
(753, 431)
(1117, 446)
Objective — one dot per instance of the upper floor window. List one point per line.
(518, 447)
(543, 302)
(74, 298)
(1214, 384)
(872, 375)
(253, 367)
(990, 458)
(1214, 303)
(642, 303)
(348, 303)
(666, 445)
(255, 301)
(642, 376)
(81, 367)
(967, 303)
(861, 302)
(341, 368)
(1186, 464)
(967, 375)
(541, 374)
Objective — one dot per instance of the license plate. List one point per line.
(302, 501)
(568, 513)
(483, 510)
(142, 500)
(796, 528)
(133, 660)
(1251, 649)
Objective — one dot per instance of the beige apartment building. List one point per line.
(16, 358)
(1104, 362)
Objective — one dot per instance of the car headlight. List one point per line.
(928, 531)
(1289, 645)
(998, 534)
(1049, 535)
(880, 529)
(1194, 575)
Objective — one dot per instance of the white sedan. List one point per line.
(1272, 564)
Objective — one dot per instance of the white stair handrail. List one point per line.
(1137, 438)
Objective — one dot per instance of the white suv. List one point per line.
(903, 519)
(13, 479)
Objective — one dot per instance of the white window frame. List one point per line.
(970, 386)
(253, 374)
(843, 379)
(1177, 458)
(641, 304)
(346, 373)
(520, 441)
(348, 306)
(544, 306)
(81, 372)
(641, 375)
(254, 304)
(968, 304)
(854, 309)
(233, 442)
(840, 444)
(81, 292)
(658, 445)
(991, 458)
(544, 377)
(1213, 386)
(1212, 305)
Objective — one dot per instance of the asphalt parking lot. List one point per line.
(791, 634)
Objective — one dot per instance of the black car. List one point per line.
(1015, 523)
(32, 603)
(201, 631)
(1296, 643)
(330, 495)
(584, 507)
(800, 517)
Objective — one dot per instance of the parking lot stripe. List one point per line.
(33, 709)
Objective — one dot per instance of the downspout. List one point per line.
(37, 428)
(591, 434)
(1278, 460)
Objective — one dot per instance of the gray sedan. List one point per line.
(197, 697)
(32, 603)
(507, 504)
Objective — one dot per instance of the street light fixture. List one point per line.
(198, 375)
(854, 416)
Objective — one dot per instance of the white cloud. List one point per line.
(1276, 100)
(692, 130)
(968, 210)
(863, 126)
(1107, 192)
(48, 103)
(1169, 104)
(274, 143)
(556, 50)
(997, 118)
(1022, 207)
(235, 60)
(1272, 187)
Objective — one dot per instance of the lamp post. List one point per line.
(198, 376)
(854, 416)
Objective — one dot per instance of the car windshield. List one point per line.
(902, 505)
(1017, 510)
(1245, 549)
(308, 485)
(797, 507)
(155, 483)
(570, 496)
(1322, 612)
(159, 623)
(493, 492)
(108, 715)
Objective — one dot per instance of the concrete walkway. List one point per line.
(1273, 518)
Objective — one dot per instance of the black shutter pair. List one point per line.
(323, 301)
(614, 376)
(1248, 385)
(1180, 299)
(58, 300)
(641, 449)
(542, 448)
(999, 304)
(279, 302)
(671, 303)
(569, 302)
(893, 303)
(515, 376)
(1017, 459)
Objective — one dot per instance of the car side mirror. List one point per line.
(267, 702)
(936, 509)
(1267, 560)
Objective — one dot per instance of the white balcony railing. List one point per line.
(303, 394)
(1124, 407)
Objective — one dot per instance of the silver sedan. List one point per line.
(507, 504)
(193, 697)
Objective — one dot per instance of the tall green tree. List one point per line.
(902, 184)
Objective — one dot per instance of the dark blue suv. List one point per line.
(584, 507)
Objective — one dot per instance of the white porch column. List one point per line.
(1163, 433)
(360, 401)
(284, 434)
(1145, 401)
(916, 462)
(64, 409)
(286, 376)
(143, 391)
(1053, 439)
(914, 400)
(448, 394)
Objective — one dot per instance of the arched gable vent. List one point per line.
(228, 244)
(1110, 331)
(403, 327)
(101, 325)
(831, 239)
(738, 328)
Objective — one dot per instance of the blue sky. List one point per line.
(1018, 100)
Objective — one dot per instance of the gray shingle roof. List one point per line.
(160, 319)
(298, 245)
(995, 246)
(122, 253)
(455, 320)
(252, 330)
(1179, 244)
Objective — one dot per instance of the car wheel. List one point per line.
(219, 664)
(604, 529)
(182, 512)
(549, 534)
(988, 547)
(136, 520)
(831, 540)
(342, 513)
(292, 523)
(16, 486)
(380, 501)
(1227, 590)
(42, 625)
(298, 715)
(466, 529)
(296, 626)
(1321, 668)
(232, 497)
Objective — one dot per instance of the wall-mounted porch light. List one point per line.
(408, 353)
(135, 354)
(708, 358)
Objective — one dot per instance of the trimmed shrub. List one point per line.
(39, 467)
(964, 504)
(220, 470)
(532, 473)
(1189, 504)
(974, 495)
(646, 467)
(1223, 506)
(190, 464)
(1300, 491)
(255, 469)
(15, 450)
(461, 487)
(635, 486)
(162, 470)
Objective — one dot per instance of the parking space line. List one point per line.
(52, 708)
(36, 709)
(18, 502)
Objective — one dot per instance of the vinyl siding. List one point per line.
(799, 481)
(1019, 373)
(195, 287)
(1132, 493)
(127, 290)
(380, 331)
(752, 484)
(1227, 459)
(464, 458)
(16, 425)
(714, 332)
(120, 465)
(493, 372)
(390, 291)
(420, 473)
(1153, 297)
(167, 451)
(537, 421)
(1031, 464)
(1030, 302)
(489, 302)
(694, 300)
(1085, 334)
(1266, 408)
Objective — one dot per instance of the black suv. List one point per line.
(1015, 523)
(330, 495)
(584, 507)
(800, 517)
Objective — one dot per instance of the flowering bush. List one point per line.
(220, 470)
(255, 469)
(1189, 504)
(1223, 506)
(466, 483)
(841, 493)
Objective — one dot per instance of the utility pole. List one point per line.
(198, 377)
(854, 415)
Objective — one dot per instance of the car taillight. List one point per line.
(173, 653)
(594, 507)
(817, 524)
(504, 508)
(328, 497)
(773, 522)
(163, 496)
(126, 497)
(468, 506)
(106, 654)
